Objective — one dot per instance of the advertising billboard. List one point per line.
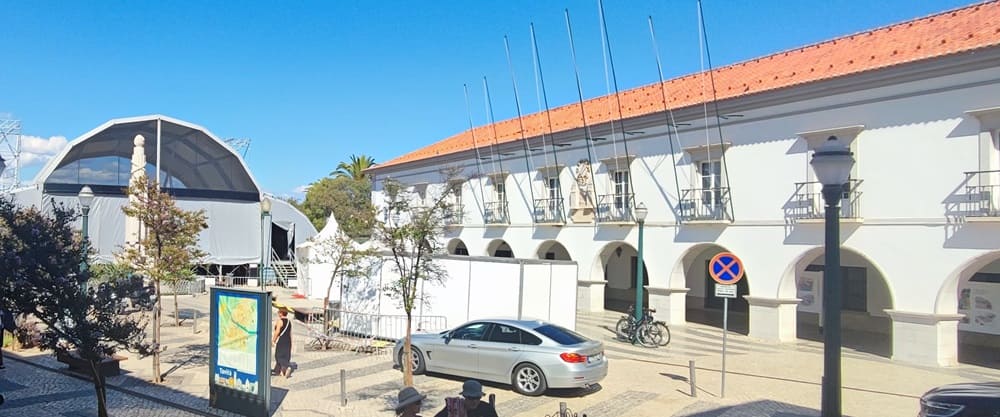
(240, 351)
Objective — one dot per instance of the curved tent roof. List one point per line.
(192, 161)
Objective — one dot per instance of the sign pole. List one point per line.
(727, 270)
(725, 333)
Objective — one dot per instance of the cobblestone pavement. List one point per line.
(764, 379)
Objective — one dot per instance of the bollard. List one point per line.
(194, 323)
(562, 409)
(694, 386)
(343, 388)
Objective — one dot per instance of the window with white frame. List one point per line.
(620, 179)
(552, 188)
(710, 173)
(500, 192)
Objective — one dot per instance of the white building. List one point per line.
(919, 103)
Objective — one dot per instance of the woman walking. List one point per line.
(282, 341)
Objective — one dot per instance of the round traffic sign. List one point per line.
(725, 268)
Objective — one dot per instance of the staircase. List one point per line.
(284, 270)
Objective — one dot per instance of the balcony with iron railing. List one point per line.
(549, 211)
(807, 202)
(454, 215)
(704, 205)
(981, 198)
(496, 213)
(615, 208)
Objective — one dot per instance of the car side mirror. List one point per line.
(447, 337)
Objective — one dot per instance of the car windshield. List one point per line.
(560, 335)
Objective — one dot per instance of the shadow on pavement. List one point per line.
(124, 384)
(764, 408)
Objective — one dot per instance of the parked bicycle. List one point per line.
(647, 332)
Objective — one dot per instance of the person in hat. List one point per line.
(469, 404)
(282, 341)
(408, 402)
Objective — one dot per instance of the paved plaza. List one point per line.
(763, 379)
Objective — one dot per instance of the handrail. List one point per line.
(704, 204)
(615, 207)
(496, 213)
(808, 200)
(548, 210)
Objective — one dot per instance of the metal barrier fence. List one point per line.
(378, 326)
(195, 286)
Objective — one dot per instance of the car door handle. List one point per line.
(473, 347)
(514, 349)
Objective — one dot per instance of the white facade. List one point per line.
(915, 228)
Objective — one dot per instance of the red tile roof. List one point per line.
(951, 32)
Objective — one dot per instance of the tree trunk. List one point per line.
(177, 311)
(157, 308)
(99, 388)
(407, 355)
(326, 305)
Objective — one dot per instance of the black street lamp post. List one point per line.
(86, 197)
(832, 163)
(640, 217)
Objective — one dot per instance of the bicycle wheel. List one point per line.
(622, 329)
(648, 335)
(664, 332)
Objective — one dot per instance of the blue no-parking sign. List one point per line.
(725, 268)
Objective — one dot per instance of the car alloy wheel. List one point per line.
(529, 380)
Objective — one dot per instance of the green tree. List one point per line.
(348, 199)
(355, 168)
(167, 251)
(346, 256)
(411, 233)
(40, 262)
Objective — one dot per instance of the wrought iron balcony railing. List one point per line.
(701, 204)
(496, 213)
(454, 215)
(982, 194)
(807, 202)
(615, 208)
(549, 210)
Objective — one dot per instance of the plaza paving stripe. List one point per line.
(47, 398)
(520, 404)
(619, 404)
(334, 377)
(333, 358)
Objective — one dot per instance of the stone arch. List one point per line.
(866, 294)
(977, 341)
(499, 248)
(552, 249)
(457, 247)
(615, 266)
(947, 297)
(701, 305)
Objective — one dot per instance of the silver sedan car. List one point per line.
(530, 355)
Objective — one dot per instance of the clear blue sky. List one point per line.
(314, 82)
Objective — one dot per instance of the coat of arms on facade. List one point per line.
(582, 196)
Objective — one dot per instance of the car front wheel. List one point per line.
(529, 380)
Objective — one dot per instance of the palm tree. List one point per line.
(355, 169)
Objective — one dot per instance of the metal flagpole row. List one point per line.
(548, 116)
(583, 111)
(520, 122)
(614, 80)
(715, 104)
(669, 113)
(472, 131)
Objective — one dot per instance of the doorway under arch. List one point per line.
(701, 304)
(499, 249)
(616, 264)
(553, 250)
(975, 293)
(457, 247)
(865, 295)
